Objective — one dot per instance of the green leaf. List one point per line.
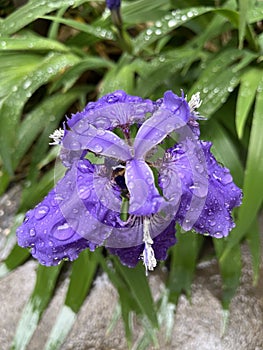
(127, 303)
(222, 141)
(183, 262)
(218, 80)
(83, 270)
(31, 43)
(118, 78)
(244, 6)
(29, 13)
(248, 86)
(16, 258)
(67, 80)
(167, 24)
(96, 31)
(154, 73)
(139, 287)
(12, 105)
(14, 67)
(255, 12)
(253, 185)
(137, 11)
(230, 270)
(39, 299)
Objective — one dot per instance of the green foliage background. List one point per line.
(55, 56)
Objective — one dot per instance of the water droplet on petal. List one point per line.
(211, 222)
(150, 180)
(75, 145)
(101, 132)
(131, 185)
(64, 231)
(41, 212)
(84, 192)
(32, 232)
(227, 179)
(83, 167)
(98, 148)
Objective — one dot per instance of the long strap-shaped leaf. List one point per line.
(16, 258)
(13, 104)
(253, 184)
(81, 278)
(184, 255)
(230, 270)
(45, 284)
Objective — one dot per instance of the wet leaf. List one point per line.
(230, 270)
(12, 105)
(166, 24)
(253, 185)
(246, 95)
(183, 262)
(30, 12)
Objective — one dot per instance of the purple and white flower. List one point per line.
(135, 168)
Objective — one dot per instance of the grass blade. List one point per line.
(246, 96)
(253, 185)
(183, 261)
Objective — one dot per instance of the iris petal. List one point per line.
(71, 217)
(161, 243)
(114, 109)
(209, 214)
(144, 196)
(223, 195)
(162, 123)
(102, 142)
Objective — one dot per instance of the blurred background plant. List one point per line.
(55, 56)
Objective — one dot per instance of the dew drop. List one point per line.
(172, 23)
(101, 132)
(41, 212)
(84, 192)
(75, 145)
(83, 167)
(149, 180)
(32, 232)
(41, 244)
(211, 222)
(98, 148)
(26, 84)
(149, 31)
(64, 231)
(226, 179)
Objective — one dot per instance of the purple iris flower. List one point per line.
(133, 169)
